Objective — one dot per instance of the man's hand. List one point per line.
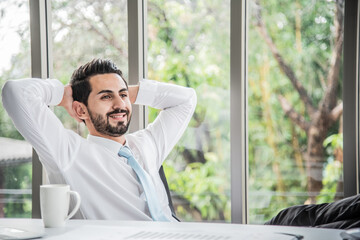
(67, 102)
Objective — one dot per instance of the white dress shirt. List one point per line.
(107, 184)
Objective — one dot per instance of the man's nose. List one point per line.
(118, 103)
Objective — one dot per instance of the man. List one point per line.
(99, 96)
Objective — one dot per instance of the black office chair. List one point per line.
(163, 179)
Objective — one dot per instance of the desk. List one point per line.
(100, 229)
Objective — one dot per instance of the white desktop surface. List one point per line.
(100, 229)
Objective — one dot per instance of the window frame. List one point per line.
(238, 109)
(41, 67)
(351, 99)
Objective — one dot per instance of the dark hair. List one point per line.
(80, 78)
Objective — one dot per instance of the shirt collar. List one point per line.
(112, 145)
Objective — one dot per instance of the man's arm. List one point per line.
(178, 105)
(26, 102)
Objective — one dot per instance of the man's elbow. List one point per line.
(193, 95)
(12, 94)
(192, 98)
(7, 92)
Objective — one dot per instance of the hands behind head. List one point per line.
(67, 102)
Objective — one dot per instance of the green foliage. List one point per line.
(197, 56)
(334, 141)
(333, 172)
(332, 175)
(83, 30)
(204, 185)
(17, 177)
(19, 68)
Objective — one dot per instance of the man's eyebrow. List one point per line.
(123, 90)
(109, 91)
(105, 91)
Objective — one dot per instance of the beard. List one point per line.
(103, 125)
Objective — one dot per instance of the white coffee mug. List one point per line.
(54, 204)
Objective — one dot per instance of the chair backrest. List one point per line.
(163, 179)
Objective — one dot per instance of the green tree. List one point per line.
(322, 106)
(197, 56)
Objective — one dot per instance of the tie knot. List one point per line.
(125, 152)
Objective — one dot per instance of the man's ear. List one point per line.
(80, 110)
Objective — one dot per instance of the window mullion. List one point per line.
(40, 68)
(238, 106)
(137, 52)
(350, 99)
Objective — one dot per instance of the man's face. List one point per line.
(109, 105)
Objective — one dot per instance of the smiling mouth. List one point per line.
(118, 116)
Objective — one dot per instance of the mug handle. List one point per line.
(77, 206)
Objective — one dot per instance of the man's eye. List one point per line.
(105, 97)
(123, 95)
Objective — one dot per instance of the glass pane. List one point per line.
(189, 45)
(82, 31)
(294, 114)
(15, 153)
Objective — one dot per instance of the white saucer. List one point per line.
(10, 233)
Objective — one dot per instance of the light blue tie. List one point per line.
(149, 189)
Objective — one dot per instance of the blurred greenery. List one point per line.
(303, 32)
(17, 177)
(189, 45)
(333, 172)
(197, 56)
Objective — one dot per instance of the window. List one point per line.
(83, 31)
(287, 72)
(295, 119)
(15, 153)
(189, 45)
